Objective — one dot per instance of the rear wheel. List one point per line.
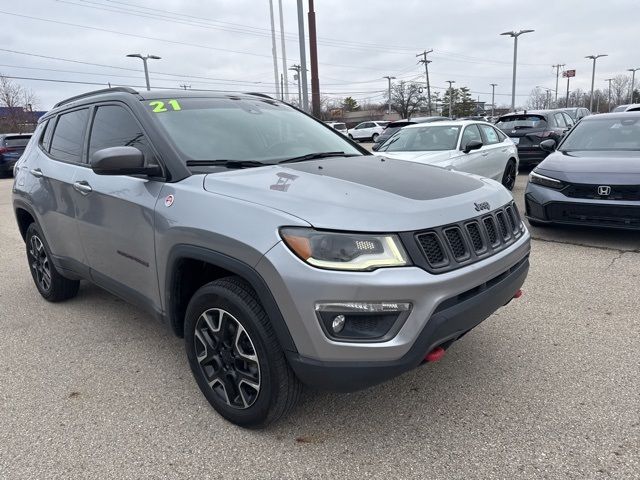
(374, 138)
(51, 285)
(509, 175)
(235, 355)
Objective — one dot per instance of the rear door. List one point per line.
(116, 212)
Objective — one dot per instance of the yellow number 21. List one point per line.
(158, 106)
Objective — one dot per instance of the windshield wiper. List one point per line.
(225, 163)
(314, 156)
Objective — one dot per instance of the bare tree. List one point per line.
(406, 98)
(19, 103)
(620, 89)
(537, 99)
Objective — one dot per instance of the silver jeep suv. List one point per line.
(283, 252)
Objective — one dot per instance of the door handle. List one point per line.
(36, 172)
(82, 187)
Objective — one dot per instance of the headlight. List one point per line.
(345, 251)
(549, 182)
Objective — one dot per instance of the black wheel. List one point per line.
(51, 285)
(374, 137)
(509, 176)
(235, 355)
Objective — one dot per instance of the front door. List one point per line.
(115, 213)
(469, 162)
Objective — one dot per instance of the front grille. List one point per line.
(618, 192)
(588, 214)
(453, 246)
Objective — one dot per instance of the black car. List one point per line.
(11, 147)
(593, 178)
(527, 129)
(393, 127)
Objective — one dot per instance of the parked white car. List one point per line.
(465, 146)
(367, 130)
(339, 126)
(633, 107)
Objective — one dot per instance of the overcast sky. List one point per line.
(227, 43)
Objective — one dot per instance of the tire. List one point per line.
(351, 136)
(374, 137)
(51, 285)
(235, 356)
(509, 175)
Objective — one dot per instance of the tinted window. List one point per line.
(560, 122)
(115, 126)
(471, 133)
(604, 134)
(517, 122)
(489, 134)
(68, 137)
(569, 120)
(45, 139)
(17, 141)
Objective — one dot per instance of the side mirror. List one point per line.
(472, 145)
(121, 161)
(548, 145)
(376, 147)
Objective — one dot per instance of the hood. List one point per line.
(367, 193)
(431, 158)
(615, 167)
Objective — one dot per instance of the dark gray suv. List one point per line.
(282, 251)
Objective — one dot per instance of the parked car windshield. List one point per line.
(431, 138)
(516, 122)
(240, 129)
(604, 134)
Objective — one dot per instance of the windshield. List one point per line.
(516, 122)
(432, 138)
(604, 134)
(240, 129)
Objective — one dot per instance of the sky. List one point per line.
(226, 44)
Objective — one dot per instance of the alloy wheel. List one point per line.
(510, 176)
(40, 263)
(227, 358)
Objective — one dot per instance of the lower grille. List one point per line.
(605, 215)
(453, 246)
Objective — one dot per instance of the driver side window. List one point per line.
(470, 134)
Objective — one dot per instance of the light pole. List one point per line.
(557, 67)
(303, 58)
(493, 97)
(633, 80)
(144, 59)
(593, 75)
(609, 94)
(515, 36)
(450, 82)
(426, 71)
(389, 79)
(296, 68)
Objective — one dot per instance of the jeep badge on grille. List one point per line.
(482, 206)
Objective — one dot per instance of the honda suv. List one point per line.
(282, 252)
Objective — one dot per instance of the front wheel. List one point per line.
(509, 175)
(235, 355)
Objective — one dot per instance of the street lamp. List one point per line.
(389, 79)
(450, 82)
(633, 80)
(144, 59)
(297, 68)
(609, 96)
(593, 75)
(493, 97)
(515, 36)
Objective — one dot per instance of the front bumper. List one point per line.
(546, 205)
(297, 287)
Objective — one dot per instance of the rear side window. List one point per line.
(560, 120)
(68, 137)
(115, 126)
(490, 134)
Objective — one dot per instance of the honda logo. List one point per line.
(604, 190)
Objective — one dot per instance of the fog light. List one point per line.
(338, 323)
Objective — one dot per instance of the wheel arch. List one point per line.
(25, 217)
(194, 266)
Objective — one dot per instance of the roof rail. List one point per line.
(263, 95)
(95, 92)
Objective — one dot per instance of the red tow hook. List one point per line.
(435, 354)
(518, 293)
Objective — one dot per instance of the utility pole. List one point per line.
(567, 101)
(450, 82)
(284, 55)
(515, 36)
(633, 81)
(282, 87)
(426, 71)
(557, 67)
(144, 59)
(593, 75)
(389, 79)
(313, 53)
(609, 95)
(184, 86)
(274, 52)
(303, 59)
(493, 97)
(296, 76)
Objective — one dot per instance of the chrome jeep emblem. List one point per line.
(604, 190)
(482, 206)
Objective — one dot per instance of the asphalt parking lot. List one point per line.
(545, 388)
